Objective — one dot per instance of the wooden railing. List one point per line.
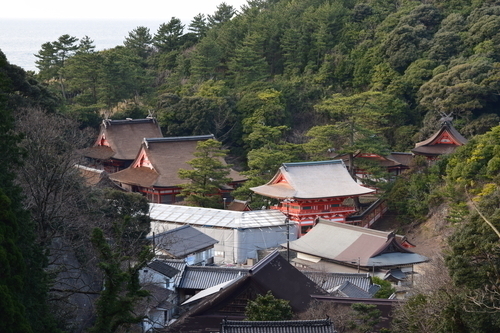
(370, 215)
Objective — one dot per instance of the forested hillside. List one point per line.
(282, 81)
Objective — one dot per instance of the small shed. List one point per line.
(185, 242)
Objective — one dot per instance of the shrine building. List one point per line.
(308, 190)
(443, 141)
(154, 171)
(118, 141)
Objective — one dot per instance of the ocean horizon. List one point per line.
(21, 39)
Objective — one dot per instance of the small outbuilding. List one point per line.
(185, 242)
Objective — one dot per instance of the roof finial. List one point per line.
(446, 117)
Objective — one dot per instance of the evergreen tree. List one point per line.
(223, 14)
(123, 251)
(140, 40)
(198, 26)
(209, 173)
(168, 36)
(268, 308)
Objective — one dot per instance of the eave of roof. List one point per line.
(98, 152)
(434, 150)
(312, 180)
(141, 176)
(446, 126)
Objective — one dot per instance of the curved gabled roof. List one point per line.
(311, 180)
(121, 139)
(450, 130)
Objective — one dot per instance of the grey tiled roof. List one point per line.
(180, 242)
(328, 281)
(203, 277)
(163, 268)
(284, 326)
(347, 289)
(308, 180)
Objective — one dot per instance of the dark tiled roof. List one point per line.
(179, 264)
(180, 242)
(272, 273)
(347, 289)
(374, 288)
(285, 326)
(329, 281)
(158, 297)
(203, 277)
(163, 268)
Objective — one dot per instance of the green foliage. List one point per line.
(115, 307)
(122, 250)
(168, 36)
(413, 192)
(268, 308)
(386, 288)
(24, 305)
(208, 175)
(140, 40)
(366, 317)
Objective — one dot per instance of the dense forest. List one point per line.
(275, 81)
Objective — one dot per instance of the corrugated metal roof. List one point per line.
(203, 277)
(309, 180)
(282, 326)
(216, 217)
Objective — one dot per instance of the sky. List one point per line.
(111, 9)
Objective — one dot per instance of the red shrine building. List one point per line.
(395, 163)
(118, 142)
(154, 171)
(443, 141)
(309, 190)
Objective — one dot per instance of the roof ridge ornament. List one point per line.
(446, 117)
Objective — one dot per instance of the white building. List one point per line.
(240, 234)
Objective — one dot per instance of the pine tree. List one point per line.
(268, 308)
(209, 173)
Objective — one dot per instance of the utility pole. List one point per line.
(287, 222)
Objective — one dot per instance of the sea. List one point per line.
(21, 39)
